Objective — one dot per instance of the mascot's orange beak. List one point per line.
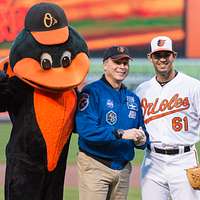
(59, 78)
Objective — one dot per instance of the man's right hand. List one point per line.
(137, 135)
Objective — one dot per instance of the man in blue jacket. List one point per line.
(110, 124)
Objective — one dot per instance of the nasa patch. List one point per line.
(110, 103)
(132, 114)
(111, 117)
(131, 103)
(83, 102)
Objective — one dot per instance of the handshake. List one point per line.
(137, 135)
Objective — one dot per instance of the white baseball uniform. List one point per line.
(172, 119)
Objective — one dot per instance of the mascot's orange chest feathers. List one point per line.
(55, 117)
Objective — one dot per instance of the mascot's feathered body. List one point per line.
(47, 61)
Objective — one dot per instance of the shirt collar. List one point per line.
(103, 78)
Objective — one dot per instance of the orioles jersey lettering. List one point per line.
(165, 107)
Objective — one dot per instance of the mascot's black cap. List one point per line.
(47, 23)
(116, 52)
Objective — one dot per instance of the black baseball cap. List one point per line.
(47, 23)
(116, 53)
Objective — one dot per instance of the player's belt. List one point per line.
(169, 151)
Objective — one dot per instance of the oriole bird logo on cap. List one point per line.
(161, 43)
(49, 21)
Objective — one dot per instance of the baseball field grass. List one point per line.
(70, 192)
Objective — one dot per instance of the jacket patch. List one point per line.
(110, 103)
(83, 102)
(132, 114)
(111, 117)
(131, 103)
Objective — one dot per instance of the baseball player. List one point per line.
(170, 103)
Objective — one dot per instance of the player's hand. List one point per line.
(142, 139)
(137, 135)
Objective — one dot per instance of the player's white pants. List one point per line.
(165, 175)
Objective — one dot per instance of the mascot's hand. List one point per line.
(3, 76)
(3, 82)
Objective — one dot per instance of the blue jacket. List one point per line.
(101, 111)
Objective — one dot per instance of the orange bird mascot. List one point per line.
(47, 61)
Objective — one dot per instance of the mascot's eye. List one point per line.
(46, 61)
(65, 59)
